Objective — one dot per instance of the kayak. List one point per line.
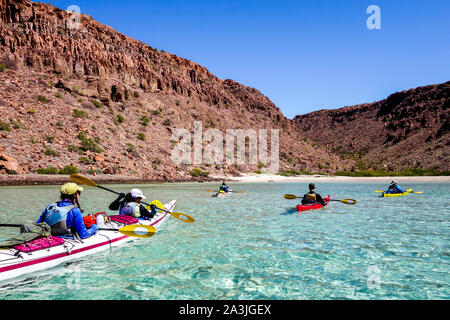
(221, 194)
(305, 207)
(385, 195)
(18, 262)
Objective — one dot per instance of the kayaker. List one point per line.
(312, 197)
(224, 187)
(130, 205)
(65, 217)
(394, 188)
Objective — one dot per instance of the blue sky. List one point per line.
(304, 55)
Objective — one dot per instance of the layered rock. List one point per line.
(409, 129)
(70, 95)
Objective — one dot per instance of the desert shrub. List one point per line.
(97, 103)
(141, 136)
(88, 144)
(49, 151)
(4, 126)
(48, 170)
(42, 99)
(85, 160)
(130, 147)
(80, 114)
(197, 172)
(69, 169)
(145, 120)
(119, 119)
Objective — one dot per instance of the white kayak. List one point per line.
(14, 263)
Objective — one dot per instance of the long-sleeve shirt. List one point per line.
(74, 220)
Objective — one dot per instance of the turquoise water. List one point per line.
(256, 246)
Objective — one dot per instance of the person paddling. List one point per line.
(224, 188)
(65, 217)
(394, 188)
(312, 197)
(130, 205)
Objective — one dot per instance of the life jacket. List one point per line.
(56, 217)
(311, 196)
(393, 189)
(130, 209)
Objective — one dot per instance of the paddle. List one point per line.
(346, 201)
(135, 230)
(80, 179)
(238, 191)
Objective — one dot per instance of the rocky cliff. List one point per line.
(409, 129)
(98, 100)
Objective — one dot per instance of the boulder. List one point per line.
(8, 163)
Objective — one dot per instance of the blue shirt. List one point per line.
(74, 220)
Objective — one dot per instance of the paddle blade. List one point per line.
(238, 191)
(290, 196)
(138, 231)
(183, 217)
(158, 205)
(209, 190)
(379, 191)
(348, 201)
(78, 178)
(418, 192)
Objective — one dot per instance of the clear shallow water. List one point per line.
(256, 246)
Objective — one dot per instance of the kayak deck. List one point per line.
(14, 263)
(388, 195)
(222, 194)
(306, 207)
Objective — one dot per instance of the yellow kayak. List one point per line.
(396, 194)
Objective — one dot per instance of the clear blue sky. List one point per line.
(304, 55)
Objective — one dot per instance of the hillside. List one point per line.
(98, 100)
(409, 129)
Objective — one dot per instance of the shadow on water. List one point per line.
(289, 212)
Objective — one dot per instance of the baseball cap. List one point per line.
(70, 188)
(137, 193)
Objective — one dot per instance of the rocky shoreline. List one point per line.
(40, 179)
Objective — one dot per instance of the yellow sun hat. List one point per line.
(70, 188)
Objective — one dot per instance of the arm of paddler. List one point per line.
(75, 220)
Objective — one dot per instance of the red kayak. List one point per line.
(304, 207)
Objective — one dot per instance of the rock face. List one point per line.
(409, 129)
(69, 95)
(8, 164)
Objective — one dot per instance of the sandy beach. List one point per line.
(255, 178)
(37, 179)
